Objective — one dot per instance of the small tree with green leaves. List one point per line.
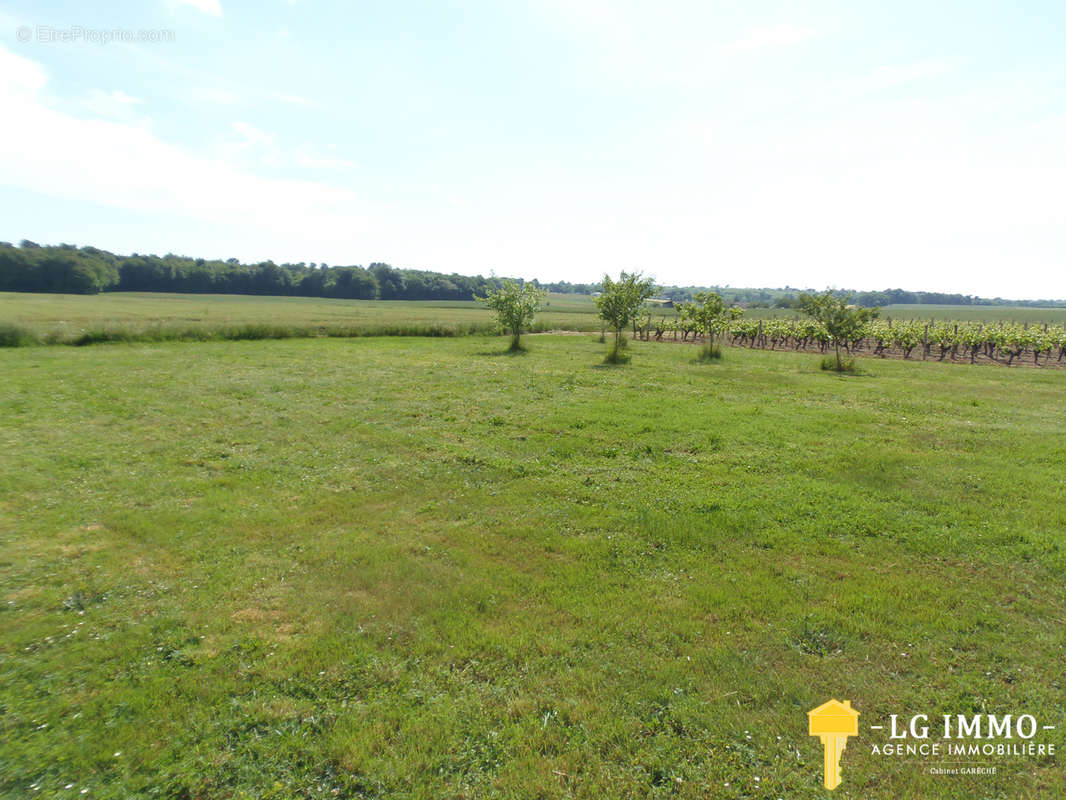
(619, 304)
(515, 306)
(842, 322)
(710, 316)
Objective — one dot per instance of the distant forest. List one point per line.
(69, 269)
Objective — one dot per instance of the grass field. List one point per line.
(90, 318)
(418, 568)
(989, 314)
(65, 317)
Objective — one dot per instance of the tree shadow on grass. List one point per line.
(508, 352)
(851, 368)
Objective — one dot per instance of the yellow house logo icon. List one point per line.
(833, 723)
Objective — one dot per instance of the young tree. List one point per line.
(515, 307)
(710, 316)
(618, 306)
(843, 323)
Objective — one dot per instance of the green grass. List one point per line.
(144, 316)
(417, 568)
(990, 314)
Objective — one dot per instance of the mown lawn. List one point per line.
(417, 568)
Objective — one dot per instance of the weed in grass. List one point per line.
(818, 640)
(16, 336)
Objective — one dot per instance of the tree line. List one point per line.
(891, 297)
(69, 269)
(88, 270)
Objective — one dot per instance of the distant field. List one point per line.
(1055, 316)
(144, 308)
(65, 315)
(420, 568)
(978, 313)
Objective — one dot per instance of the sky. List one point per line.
(844, 144)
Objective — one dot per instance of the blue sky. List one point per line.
(865, 145)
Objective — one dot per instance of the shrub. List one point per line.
(14, 336)
(515, 307)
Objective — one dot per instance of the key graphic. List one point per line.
(833, 723)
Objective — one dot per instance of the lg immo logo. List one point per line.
(833, 723)
(986, 740)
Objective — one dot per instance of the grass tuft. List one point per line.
(16, 336)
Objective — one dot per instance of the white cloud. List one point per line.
(116, 96)
(115, 104)
(773, 36)
(235, 95)
(252, 146)
(125, 166)
(22, 79)
(211, 7)
(212, 88)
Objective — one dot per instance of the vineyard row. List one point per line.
(1002, 343)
